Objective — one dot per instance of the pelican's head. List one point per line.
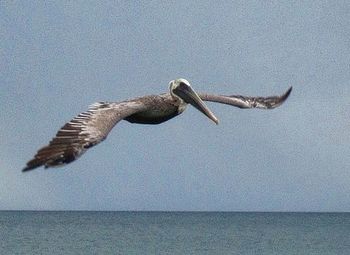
(181, 89)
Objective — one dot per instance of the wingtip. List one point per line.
(27, 168)
(287, 93)
(31, 165)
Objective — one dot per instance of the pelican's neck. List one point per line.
(181, 107)
(178, 101)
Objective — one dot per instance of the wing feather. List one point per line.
(82, 132)
(245, 102)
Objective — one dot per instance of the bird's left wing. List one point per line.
(82, 132)
(248, 102)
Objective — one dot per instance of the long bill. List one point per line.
(187, 94)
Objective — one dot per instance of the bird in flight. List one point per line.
(92, 126)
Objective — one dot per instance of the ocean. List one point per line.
(79, 232)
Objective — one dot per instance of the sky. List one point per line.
(57, 58)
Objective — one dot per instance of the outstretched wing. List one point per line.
(84, 131)
(248, 102)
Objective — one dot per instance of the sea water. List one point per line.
(36, 232)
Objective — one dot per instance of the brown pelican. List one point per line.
(91, 127)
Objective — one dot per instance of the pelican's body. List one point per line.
(91, 127)
(160, 108)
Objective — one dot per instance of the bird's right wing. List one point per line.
(245, 102)
(82, 132)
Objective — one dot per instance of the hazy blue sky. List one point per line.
(56, 58)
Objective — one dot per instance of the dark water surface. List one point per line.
(35, 232)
